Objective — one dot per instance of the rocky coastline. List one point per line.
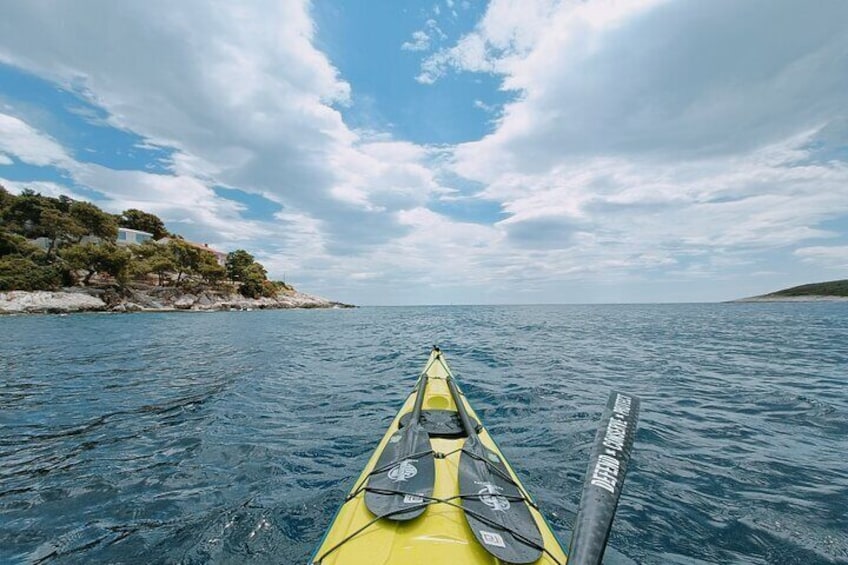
(828, 291)
(151, 299)
(803, 298)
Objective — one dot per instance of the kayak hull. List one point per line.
(441, 534)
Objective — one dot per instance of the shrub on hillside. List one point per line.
(22, 273)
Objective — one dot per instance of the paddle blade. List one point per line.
(500, 519)
(404, 483)
(604, 480)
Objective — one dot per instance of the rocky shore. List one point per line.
(150, 299)
(777, 298)
(828, 291)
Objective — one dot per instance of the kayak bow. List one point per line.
(439, 490)
(441, 533)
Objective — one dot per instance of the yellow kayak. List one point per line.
(438, 490)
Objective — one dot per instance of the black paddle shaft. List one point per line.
(494, 505)
(402, 480)
(604, 479)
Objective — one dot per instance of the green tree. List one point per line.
(237, 264)
(209, 269)
(151, 257)
(59, 227)
(186, 257)
(161, 265)
(82, 257)
(93, 258)
(115, 262)
(144, 221)
(63, 203)
(14, 244)
(95, 221)
(22, 214)
(253, 284)
(22, 273)
(6, 198)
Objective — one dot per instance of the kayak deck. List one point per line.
(441, 534)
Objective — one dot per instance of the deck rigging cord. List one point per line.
(428, 501)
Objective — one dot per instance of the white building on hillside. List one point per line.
(126, 236)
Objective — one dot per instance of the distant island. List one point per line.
(65, 255)
(830, 290)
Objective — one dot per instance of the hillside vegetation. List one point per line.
(830, 288)
(79, 248)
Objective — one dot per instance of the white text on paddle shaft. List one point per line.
(622, 405)
(605, 474)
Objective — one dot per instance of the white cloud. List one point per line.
(647, 77)
(174, 198)
(381, 176)
(5, 159)
(652, 81)
(435, 30)
(604, 206)
(240, 93)
(19, 139)
(832, 257)
(469, 54)
(218, 82)
(43, 187)
(488, 108)
(420, 42)
(636, 137)
(679, 141)
(508, 30)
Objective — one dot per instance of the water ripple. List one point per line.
(232, 437)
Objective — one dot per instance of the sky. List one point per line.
(452, 151)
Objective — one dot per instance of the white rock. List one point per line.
(18, 301)
(15, 302)
(185, 302)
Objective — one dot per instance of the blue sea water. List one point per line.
(233, 437)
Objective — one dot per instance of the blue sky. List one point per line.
(385, 95)
(447, 152)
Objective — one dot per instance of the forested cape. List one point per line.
(829, 288)
(79, 248)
